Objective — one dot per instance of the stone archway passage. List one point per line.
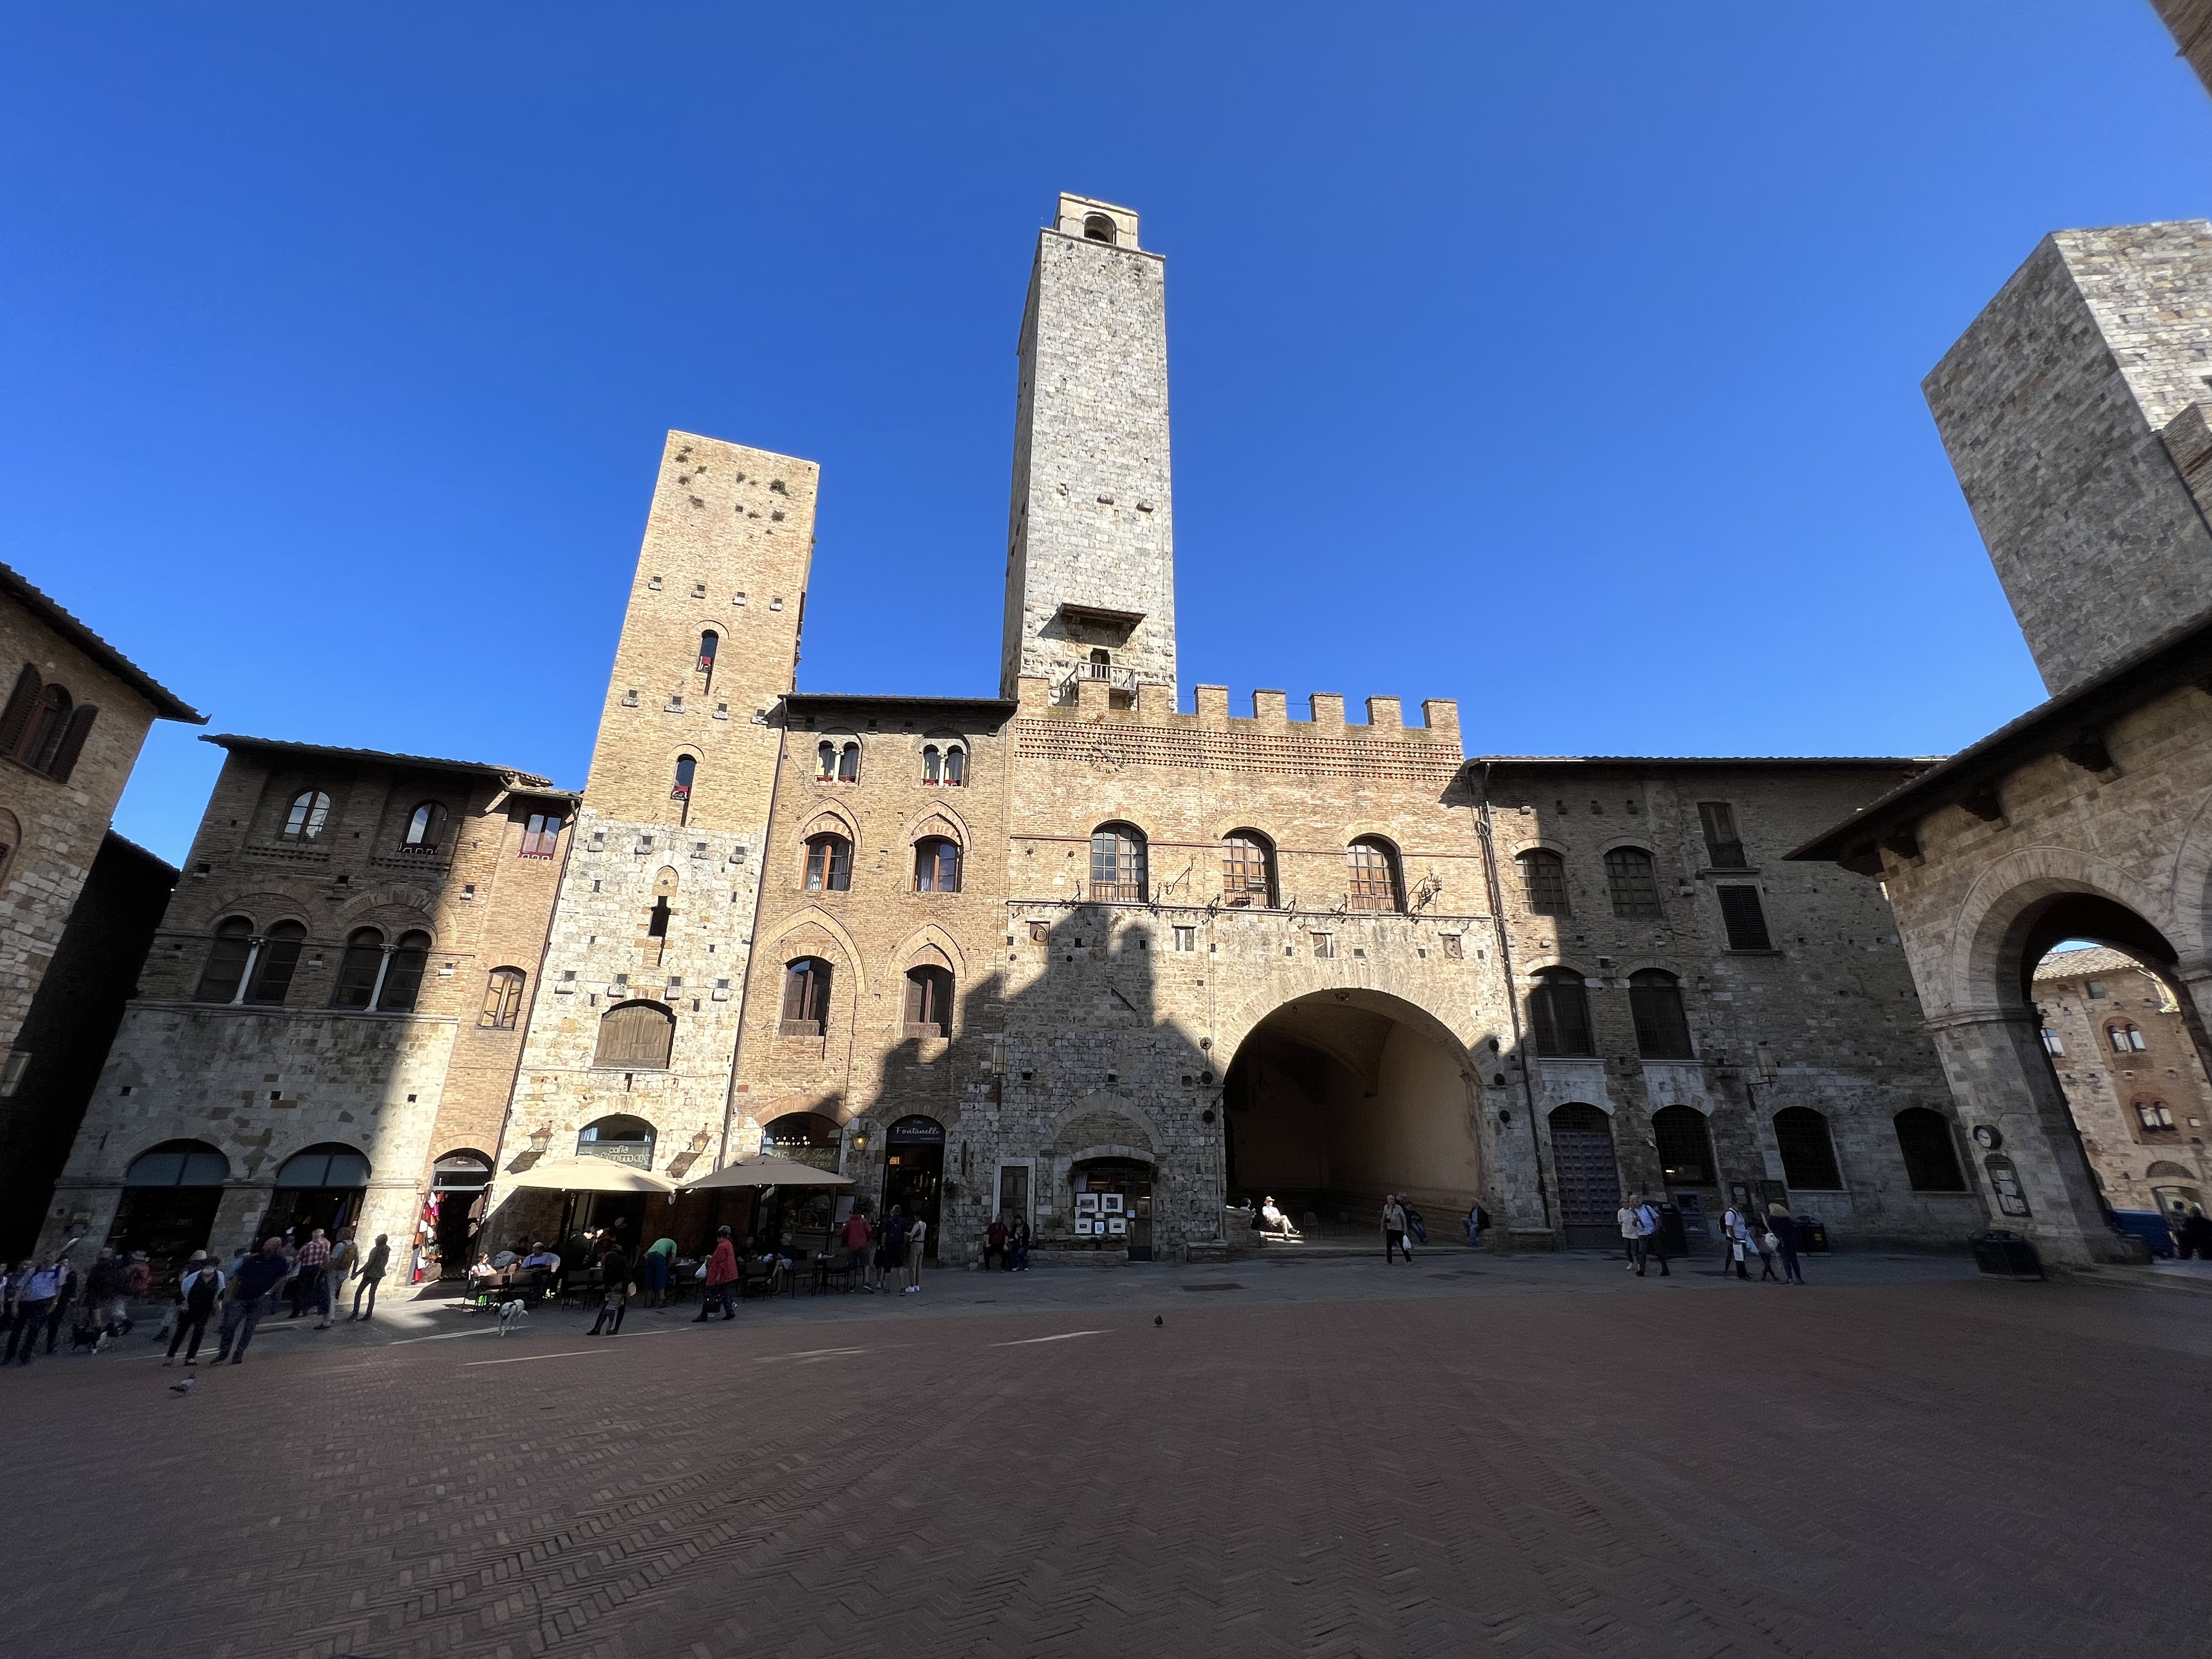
(1589, 1177)
(1337, 1098)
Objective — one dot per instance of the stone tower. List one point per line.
(2074, 410)
(1091, 530)
(655, 912)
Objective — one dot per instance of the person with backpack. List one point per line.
(197, 1298)
(372, 1275)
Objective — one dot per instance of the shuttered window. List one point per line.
(1629, 876)
(635, 1036)
(1744, 918)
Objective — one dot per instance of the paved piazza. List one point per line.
(1526, 1456)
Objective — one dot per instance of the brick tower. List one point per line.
(637, 1010)
(1091, 531)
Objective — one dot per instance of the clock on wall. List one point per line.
(1987, 1138)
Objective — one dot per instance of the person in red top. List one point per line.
(994, 1244)
(721, 1279)
(855, 1232)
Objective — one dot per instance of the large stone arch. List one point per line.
(2189, 889)
(1988, 930)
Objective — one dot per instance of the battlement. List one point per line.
(1149, 721)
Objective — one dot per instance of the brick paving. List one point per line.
(1539, 1458)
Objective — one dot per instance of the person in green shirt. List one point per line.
(657, 1268)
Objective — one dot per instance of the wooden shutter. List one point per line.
(72, 743)
(20, 703)
(1744, 919)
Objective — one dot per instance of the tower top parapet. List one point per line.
(1095, 221)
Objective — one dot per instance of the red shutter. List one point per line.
(20, 700)
(72, 743)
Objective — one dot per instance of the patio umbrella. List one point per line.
(590, 1175)
(762, 1170)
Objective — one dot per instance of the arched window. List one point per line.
(42, 731)
(1655, 1002)
(359, 970)
(402, 977)
(1372, 863)
(933, 763)
(1634, 885)
(848, 763)
(686, 768)
(541, 834)
(1809, 1156)
(1097, 227)
(829, 863)
(1544, 883)
(1559, 1015)
(620, 1138)
(278, 956)
(2155, 1116)
(805, 998)
(227, 959)
(956, 766)
(1102, 664)
(806, 1137)
(825, 762)
(709, 641)
(42, 728)
(1248, 869)
(1686, 1146)
(635, 1036)
(311, 810)
(426, 828)
(326, 1166)
(928, 1002)
(936, 865)
(502, 1003)
(2126, 1036)
(178, 1163)
(1931, 1156)
(1117, 862)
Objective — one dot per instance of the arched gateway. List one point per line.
(1339, 1096)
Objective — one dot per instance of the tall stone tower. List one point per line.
(2075, 412)
(637, 1007)
(1091, 531)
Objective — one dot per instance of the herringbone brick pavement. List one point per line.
(1911, 1469)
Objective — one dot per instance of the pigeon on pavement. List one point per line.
(184, 1387)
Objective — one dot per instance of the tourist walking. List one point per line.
(197, 1298)
(891, 1257)
(372, 1274)
(721, 1280)
(916, 1234)
(1394, 1228)
(253, 1293)
(64, 1295)
(1783, 1226)
(1736, 1240)
(41, 1286)
(1631, 1234)
(311, 1285)
(614, 1266)
(1765, 1240)
(855, 1235)
(1648, 1239)
(104, 1307)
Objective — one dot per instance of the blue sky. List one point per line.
(1563, 360)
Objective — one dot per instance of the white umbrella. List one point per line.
(762, 1170)
(590, 1175)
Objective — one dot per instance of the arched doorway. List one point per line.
(913, 1171)
(1589, 1177)
(320, 1187)
(1338, 1097)
(170, 1195)
(457, 1187)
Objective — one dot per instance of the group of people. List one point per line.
(1007, 1237)
(886, 1259)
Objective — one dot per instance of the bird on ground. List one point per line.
(184, 1387)
(1158, 1319)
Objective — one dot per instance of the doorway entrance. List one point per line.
(457, 1187)
(913, 1171)
(1589, 1177)
(1114, 1207)
(322, 1186)
(170, 1195)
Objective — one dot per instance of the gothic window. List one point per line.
(278, 956)
(635, 1036)
(426, 828)
(1931, 1156)
(541, 834)
(2155, 1116)
(311, 810)
(402, 975)
(502, 1003)
(1686, 1146)
(227, 960)
(1655, 1002)
(1248, 869)
(1371, 863)
(359, 970)
(936, 866)
(1635, 888)
(1544, 883)
(709, 641)
(828, 864)
(2126, 1036)
(1117, 862)
(1098, 227)
(806, 997)
(929, 1001)
(1723, 841)
(1809, 1156)
(1559, 1015)
(1744, 919)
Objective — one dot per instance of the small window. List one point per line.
(541, 834)
(2096, 990)
(1931, 1156)
(1324, 946)
(311, 810)
(933, 763)
(502, 1005)
(1655, 1002)
(1117, 863)
(227, 960)
(1097, 227)
(273, 967)
(402, 975)
(1544, 883)
(2155, 1116)
(635, 1036)
(956, 766)
(1629, 879)
(2052, 1042)
(1559, 1015)
(426, 830)
(1372, 864)
(848, 763)
(936, 866)
(1744, 919)
(928, 1002)
(825, 762)
(359, 970)
(806, 997)
(1248, 870)
(1185, 939)
(828, 864)
(687, 770)
(1723, 843)
(1809, 1156)
(709, 642)
(2126, 1036)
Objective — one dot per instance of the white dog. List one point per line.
(510, 1314)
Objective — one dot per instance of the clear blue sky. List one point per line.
(1563, 360)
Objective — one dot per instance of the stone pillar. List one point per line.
(2001, 1079)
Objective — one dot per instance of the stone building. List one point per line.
(2134, 1080)
(76, 713)
(2074, 409)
